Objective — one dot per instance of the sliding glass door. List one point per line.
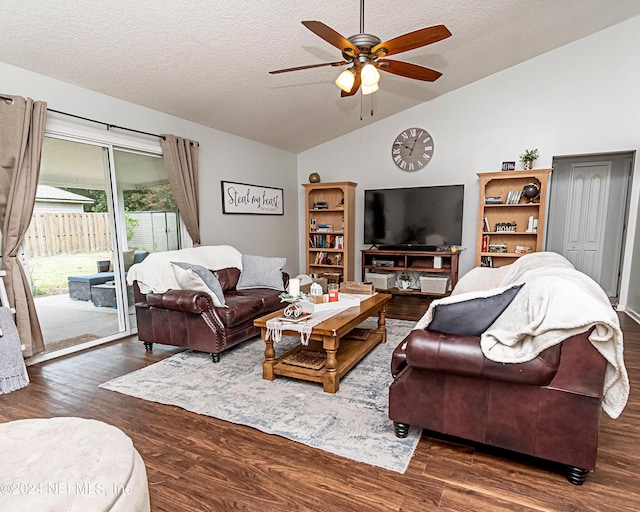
(95, 215)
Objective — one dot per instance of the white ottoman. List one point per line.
(70, 464)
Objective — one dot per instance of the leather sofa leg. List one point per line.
(148, 346)
(215, 357)
(401, 429)
(576, 476)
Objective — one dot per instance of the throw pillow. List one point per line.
(199, 278)
(471, 317)
(261, 272)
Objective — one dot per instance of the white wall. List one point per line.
(222, 156)
(579, 99)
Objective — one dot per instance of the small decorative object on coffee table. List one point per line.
(293, 296)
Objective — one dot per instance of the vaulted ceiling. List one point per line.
(208, 60)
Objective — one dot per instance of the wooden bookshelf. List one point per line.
(505, 185)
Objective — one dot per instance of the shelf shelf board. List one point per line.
(503, 254)
(324, 249)
(320, 210)
(325, 266)
(502, 205)
(493, 233)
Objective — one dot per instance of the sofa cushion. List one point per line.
(471, 317)
(261, 272)
(247, 305)
(228, 278)
(198, 278)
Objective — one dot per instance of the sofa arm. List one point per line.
(462, 355)
(187, 301)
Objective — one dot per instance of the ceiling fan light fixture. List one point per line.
(369, 89)
(370, 75)
(345, 80)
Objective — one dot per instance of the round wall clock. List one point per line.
(412, 149)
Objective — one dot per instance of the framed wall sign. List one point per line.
(242, 198)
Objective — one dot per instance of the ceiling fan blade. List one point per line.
(409, 70)
(412, 40)
(339, 63)
(331, 37)
(354, 87)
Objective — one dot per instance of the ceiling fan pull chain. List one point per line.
(371, 96)
(361, 106)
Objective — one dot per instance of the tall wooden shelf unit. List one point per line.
(499, 184)
(339, 214)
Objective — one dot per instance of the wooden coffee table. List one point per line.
(330, 338)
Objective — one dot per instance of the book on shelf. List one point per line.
(485, 243)
(492, 200)
(513, 197)
(485, 225)
(486, 261)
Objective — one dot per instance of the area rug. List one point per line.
(352, 423)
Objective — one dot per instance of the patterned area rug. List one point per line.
(352, 423)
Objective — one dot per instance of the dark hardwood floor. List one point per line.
(197, 463)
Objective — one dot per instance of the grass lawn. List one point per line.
(49, 273)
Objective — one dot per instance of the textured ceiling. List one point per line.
(208, 60)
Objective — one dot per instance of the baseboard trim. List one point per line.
(634, 315)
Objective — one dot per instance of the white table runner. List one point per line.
(275, 327)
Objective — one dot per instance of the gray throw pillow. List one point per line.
(199, 278)
(471, 317)
(261, 272)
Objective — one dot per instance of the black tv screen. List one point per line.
(415, 218)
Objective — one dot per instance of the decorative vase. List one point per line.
(293, 310)
(528, 165)
(314, 177)
(404, 285)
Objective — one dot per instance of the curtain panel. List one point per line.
(181, 162)
(22, 123)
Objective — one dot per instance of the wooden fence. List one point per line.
(66, 233)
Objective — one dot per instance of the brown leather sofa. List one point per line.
(186, 318)
(548, 407)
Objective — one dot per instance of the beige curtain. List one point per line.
(181, 162)
(22, 124)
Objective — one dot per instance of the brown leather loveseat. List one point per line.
(548, 405)
(190, 318)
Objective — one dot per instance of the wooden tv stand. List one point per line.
(414, 263)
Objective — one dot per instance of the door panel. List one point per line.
(588, 198)
(587, 214)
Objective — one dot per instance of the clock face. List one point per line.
(412, 149)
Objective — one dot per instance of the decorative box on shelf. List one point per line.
(381, 280)
(434, 284)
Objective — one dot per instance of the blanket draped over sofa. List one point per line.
(556, 302)
(155, 274)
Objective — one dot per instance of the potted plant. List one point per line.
(405, 281)
(528, 157)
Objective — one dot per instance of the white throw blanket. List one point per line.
(556, 302)
(155, 273)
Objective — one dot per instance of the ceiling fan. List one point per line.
(366, 53)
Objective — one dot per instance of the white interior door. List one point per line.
(586, 220)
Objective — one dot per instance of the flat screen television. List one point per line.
(419, 218)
